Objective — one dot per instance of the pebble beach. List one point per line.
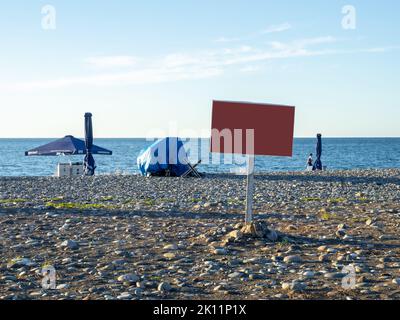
(336, 236)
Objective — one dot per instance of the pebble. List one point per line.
(70, 244)
(309, 274)
(292, 259)
(130, 278)
(272, 235)
(369, 222)
(220, 251)
(218, 288)
(324, 258)
(62, 286)
(164, 287)
(171, 247)
(138, 292)
(234, 235)
(19, 262)
(124, 296)
(341, 233)
(294, 286)
(234, 275)
(169, 255)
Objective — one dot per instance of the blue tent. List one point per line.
(318, 162)
(66, 146)
(89, 163)
(164, 155)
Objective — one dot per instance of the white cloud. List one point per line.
(138, 77)
(191, 65)
(112, 61)
(250, 69)
(271, 29)
(281, 50)
(237, 50)
(277, 28)
(302, 43)
(179, 60)
(315, 41)
(227, 40)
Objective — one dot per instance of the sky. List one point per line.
(152, 68)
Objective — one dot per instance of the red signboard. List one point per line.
(254, 129)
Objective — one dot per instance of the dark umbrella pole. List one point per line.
(89, 163)
(318, 162)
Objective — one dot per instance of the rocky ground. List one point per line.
(128, 237)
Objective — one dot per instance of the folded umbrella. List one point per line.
(318, 162)
(89, 163)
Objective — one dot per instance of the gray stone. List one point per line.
(234, 275)
(62, 286)
(19, 262)
(292, 259)
(171, 247)
(309, 274)
(124, 296)
(294, 286)
(130, 278)
(70, 244)
(220, 251)
(164, 287)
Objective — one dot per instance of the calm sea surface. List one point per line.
(338, 153)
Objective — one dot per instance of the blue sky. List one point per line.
(144, 67)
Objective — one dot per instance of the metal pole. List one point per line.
(250, 189)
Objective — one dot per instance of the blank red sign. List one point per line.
(273, 127)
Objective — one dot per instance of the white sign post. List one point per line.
(250, 189)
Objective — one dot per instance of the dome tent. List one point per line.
(165, 156)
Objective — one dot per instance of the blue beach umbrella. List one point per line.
(68, 145)
(71, 146)
(318, 162)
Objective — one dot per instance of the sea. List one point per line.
(338, 153)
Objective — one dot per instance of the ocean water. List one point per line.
(338, 153)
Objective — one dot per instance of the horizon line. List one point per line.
(299, 137)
